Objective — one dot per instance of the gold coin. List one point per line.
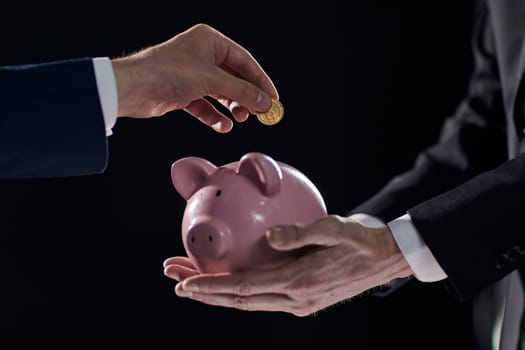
(273, 115)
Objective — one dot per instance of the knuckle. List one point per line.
(244, 287)
(241, 303)
(293, 234)
(303, 308)
(300, 313)
(334, 219)
(202, 27)
(336, 225)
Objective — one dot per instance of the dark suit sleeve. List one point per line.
(51, 122)
(462, 195)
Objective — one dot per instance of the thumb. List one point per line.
(239, 90)
(287, 237)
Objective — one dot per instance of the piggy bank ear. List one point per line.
(263, 171)
(188, 174)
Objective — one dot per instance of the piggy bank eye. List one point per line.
(218, 193)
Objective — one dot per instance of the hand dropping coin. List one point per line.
(273, 115)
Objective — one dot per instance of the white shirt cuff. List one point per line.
(107, 91)
(416, 252)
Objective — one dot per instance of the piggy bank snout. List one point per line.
(208, 240)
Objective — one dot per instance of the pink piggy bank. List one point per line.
(229, 208)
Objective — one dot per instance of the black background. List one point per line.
(365, 86)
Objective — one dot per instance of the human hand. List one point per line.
(181, 72)
(338, 258)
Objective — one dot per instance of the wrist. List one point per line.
(399, 264)
(396, 265)
(126, 77)
(393, 261)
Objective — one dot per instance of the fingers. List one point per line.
(179, 272)
(266, 302)
(204, 111)
(179, 268)
(239, 113)
(239, 60)
(179, 260)
(249, 283)
(245, 93)
(325, 232)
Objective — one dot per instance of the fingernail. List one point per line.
(217, 126)
(185, 294)
(188, 287)
(263, 102)
(172, 275)
(275, 236)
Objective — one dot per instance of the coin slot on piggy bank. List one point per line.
(230, 207)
